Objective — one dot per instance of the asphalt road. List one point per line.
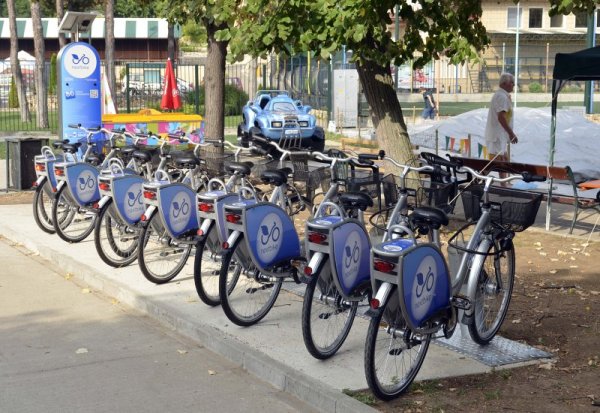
(67, 348)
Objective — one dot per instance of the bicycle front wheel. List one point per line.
(115, 241)
(160, 257)
(493, 292)
(42, 207)
(326, 317)
(246, 294)
(393, 353)
(72, 223)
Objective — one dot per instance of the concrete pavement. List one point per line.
(67, 348)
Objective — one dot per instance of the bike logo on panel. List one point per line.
(269, 237)
(181, 206)
(134, 204)
(80, 61)
(86, 186)
(423, 287)
(351, 256)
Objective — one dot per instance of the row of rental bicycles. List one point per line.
(367, 240)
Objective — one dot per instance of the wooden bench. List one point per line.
(560, 173)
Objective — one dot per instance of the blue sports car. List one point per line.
(274, 115)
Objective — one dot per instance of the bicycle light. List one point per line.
(233, 218)
(59, 172)
(205, 207)
(308, 271)
(384, 266)
(143, 218)
(104, 186)
(40, 167)
(374, 303)
(317, 238)
(151, 195)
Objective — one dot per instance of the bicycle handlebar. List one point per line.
(525, 176)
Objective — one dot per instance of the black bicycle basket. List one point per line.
(512, 209)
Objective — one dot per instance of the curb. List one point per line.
(282, 377)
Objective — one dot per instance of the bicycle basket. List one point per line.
(214, 162)
(420, 192)
(357, 179)
(512, 209)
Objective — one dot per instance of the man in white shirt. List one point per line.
(499, 128)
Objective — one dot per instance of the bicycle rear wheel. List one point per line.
(72, 223)
(393, 353)
(115, 241)
(494, 289)
(326, 317)
(160, 257)
(207, 267)
(42, 207)
(246, 294)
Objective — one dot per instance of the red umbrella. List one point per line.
(170, 97)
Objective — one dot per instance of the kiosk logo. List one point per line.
(80, 61)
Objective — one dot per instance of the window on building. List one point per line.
(597, 18)
(581, 19)
(535, 18)
(512, 17)
(556, 21)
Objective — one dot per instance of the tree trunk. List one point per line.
(109, 48)
(41, 79)
(60, 12)
(214, 84)
(386, 112)
(14, 61)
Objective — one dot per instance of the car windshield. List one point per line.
(283, 107)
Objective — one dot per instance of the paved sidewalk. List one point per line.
(66, 348)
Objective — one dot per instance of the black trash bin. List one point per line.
(20, 165)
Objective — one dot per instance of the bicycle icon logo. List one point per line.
(424, 283)
(273, 234)
(83, 59)
(184, 208)
(133, 199)
(352, 254)
(89, 183)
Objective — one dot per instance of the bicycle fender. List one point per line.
(103, 201)
(232, 238)
(473, 279)
(382, 295)
(204, 229)
(39, 181)
(315, 263)
(148, 214)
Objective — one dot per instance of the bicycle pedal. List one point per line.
(462, 302)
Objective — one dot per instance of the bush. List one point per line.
(571, 89)
(13, 98)
(535, 87)
(235, 99)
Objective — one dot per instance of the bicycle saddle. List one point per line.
(94, 159)
(429, 216)
(186, 161)
(142, 156)
(70, 147)
(241, 168)
(275, 177)
(128, 150)
(356, 200)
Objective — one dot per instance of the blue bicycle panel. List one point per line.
(270, 235)
(424, 283)
(50, 173)
(351, 255)
(127, 195)
(177, 204)
(82, 180)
